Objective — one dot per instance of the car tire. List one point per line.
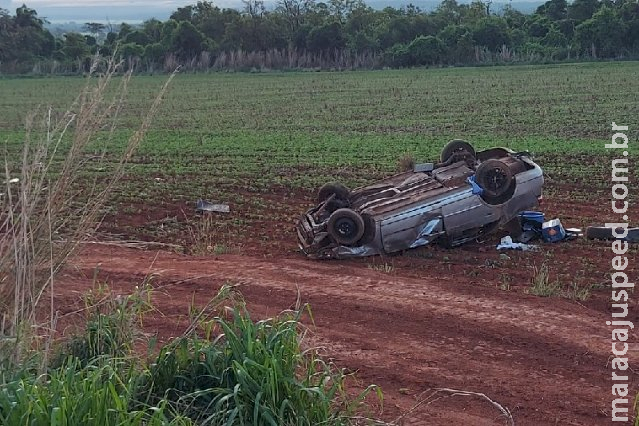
(497, 181)
(369, 229)
(456, 146)
(341, 192)
(345, 226)
(600, 233)
(605, 233)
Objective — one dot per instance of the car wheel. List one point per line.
(497, 181)
(345, 226)
(340, 191)
(456, 147)
(599, 233)
(369, 229)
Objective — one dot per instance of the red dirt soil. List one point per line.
(432, 318)
(544, 359)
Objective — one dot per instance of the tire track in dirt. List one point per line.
(543, 358)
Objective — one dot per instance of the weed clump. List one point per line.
(406, 163)
(225, 369)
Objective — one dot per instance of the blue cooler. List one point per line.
(553, 231)
(531, 221)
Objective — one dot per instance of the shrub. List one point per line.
(426, 50)
(398, 56)
(249, 373)
(225, 369)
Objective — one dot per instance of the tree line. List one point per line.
(334, 34)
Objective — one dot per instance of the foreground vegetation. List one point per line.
(227, 369)
(338, 34)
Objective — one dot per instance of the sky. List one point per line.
(83, 3)
(78, 4)
(116, 11)
(103, 10)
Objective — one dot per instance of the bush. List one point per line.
(131, 50)
(398, 56)
(249, 373)
(224, 370)
(426, 50)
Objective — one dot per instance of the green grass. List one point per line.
(226, 369)
(541, 285)
(245, 125)
(523, 101)
(238, 137)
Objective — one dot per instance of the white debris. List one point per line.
(206, 206)
(508, 244)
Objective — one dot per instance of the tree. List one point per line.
(154, 53)
(514, 18)
(131, 50)
(213, 23)
(23, 36)
(580, 10)
(601, 32)
(398, 30)
(629, 15)
(94, 28)
(26, 17)
(326, 37)
(458, 43)
(137, 37)
(362, 42)
(448, 12)
(474, 13)
(152, 28)
(125, 29)
(555, 10)
(491, 32)
(405, 35)
(398, 56)
(75, 46)
(254, 8)
(426, 50)
(183, 14)
(341, 9)
(539, 25)
(294, 12)
(187, 40)
(554, 38)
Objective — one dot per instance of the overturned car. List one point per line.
(466, 195)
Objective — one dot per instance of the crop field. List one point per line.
(468, 318)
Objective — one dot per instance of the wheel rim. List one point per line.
(346, 227)
(496, 179)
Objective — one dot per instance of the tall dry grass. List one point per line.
(48, 206)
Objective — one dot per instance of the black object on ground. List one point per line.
(605, 233)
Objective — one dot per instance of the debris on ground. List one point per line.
(534, 226)
(630, 235)
(553, 231)
(207, 206)
(508, 244)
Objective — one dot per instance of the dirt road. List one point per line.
(545, 359)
